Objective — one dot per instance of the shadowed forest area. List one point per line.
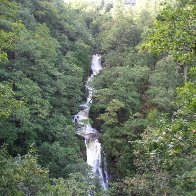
(144, 105)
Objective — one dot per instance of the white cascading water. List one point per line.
(84, 129)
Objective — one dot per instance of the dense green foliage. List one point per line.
(148, 128)
(23, 176)
(45, 55)
(144, 105)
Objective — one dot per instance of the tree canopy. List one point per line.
(144, 102)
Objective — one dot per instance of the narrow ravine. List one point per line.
(91, 135)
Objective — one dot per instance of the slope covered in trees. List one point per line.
(144, 105)
(45, 55)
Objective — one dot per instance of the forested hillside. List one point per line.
(144, 104)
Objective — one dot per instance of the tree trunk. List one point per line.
(185, 73)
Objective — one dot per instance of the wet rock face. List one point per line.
(81, 119)
(84, 128)
(83, 107)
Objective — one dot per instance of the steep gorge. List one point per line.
(91, 135)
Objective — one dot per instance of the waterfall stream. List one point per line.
(84, 129)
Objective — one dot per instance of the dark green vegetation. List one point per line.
(144, 106)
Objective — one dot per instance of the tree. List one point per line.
(8, 103)
(165, 154)
(173, 33)
(6, 43)
(21, 175)
(48, 62)
(163, 81)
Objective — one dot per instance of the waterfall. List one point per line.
(84, 129)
